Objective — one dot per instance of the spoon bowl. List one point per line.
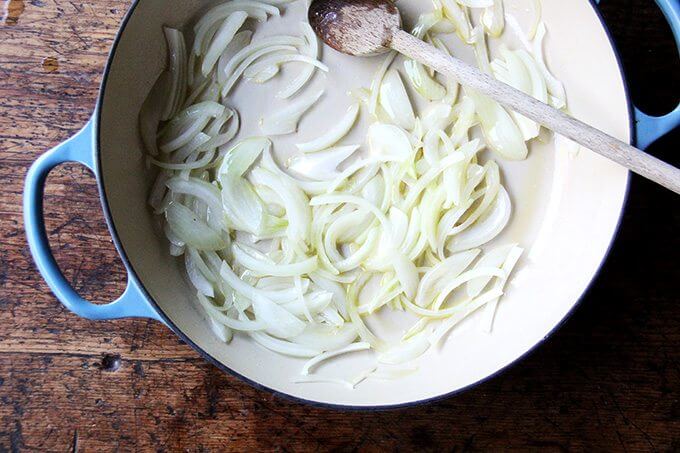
(355, 27)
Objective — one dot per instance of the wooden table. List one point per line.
(608, 380)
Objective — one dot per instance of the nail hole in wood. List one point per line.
(110, 363)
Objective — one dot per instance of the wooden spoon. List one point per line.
(371, 27)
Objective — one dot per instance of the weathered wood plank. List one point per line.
(41, 106)
(609, 380)
(173, 404)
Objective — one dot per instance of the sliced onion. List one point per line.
(312, 303)
(406, 351)
(354, 200)
(321, 166)
(476, 3)
(493, 258)
(334, 134)
(520, 71)
(151, 111)
(426, 22)
(181, 131)
(538, 12)
(280, 323)
(279, 59)
(312, 51)
(285, 121)
(500, 131)
(330, 354)
(201, 265)
(266, 74)
(508, 266)
(422, 82)
(295, 202)
(238, 72)
(493, 18)
(487, 227)
(452, 85)
(192, 230)
(555, 87)
(363, 331)
(339, 298)
(466, 119)
(240, 41)
(389, 143)
(437, 115)
(284, 347)
(360, 255)
(210, 20)
(223, 37)
(434, 280)
(278, 270)
(407, 274)
(456, 14)
(377, 82)
(224, 333)
(220, 317)
(250, 292)
(242, 205)
(467, 309)
(327, 338)
(464, 278)
(430, 206)
(310, 187)
(480, 48)
(322, 380)
(204, 191)
(432, 174)
(394, 100)
(178, 70)
(258, 48)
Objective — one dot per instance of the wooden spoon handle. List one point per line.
(630, 157)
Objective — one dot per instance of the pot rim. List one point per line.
(369, 408)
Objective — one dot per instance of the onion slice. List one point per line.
(223, 37)
(394, 100)
(355, 347)
(323, 165)
(285, 121)
(334, 134)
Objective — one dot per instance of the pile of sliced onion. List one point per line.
(298, 255)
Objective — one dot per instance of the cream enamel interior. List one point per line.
(566, 208)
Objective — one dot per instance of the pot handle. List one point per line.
(79, 148)
(651, 128)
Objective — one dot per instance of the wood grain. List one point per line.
(609, 380)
